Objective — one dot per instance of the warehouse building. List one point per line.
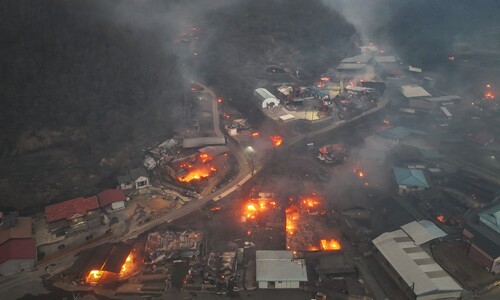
(419, 276)
(279, 270)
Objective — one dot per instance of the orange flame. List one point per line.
(277, 140)
(330, 244)
(292, 216)
(489, 95)
(197, 173)
(255, 134)
(254, 207)
(440, 218)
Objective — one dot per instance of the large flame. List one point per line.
(292, 217)
(255, 206)
(330, 244)
(196, 173)
(277, 140)
(196, 168)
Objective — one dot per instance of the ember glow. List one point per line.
(256, 206)
(330, 244)
(196, 173)
(127, 266)
(489, 95)
(255, 134)
(440, 218)
(292, 217)
(277, 140)
(196, 168)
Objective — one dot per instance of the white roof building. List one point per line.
(358, 59)
(414, 91)
(203, 141)
(279, 269)
(423, 231)
(265, 98)
(384, 59)
(420, 272)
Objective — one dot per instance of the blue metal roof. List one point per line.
(317, 92)
(410, 177)
(491, 217)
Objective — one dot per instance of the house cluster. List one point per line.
(81, 213)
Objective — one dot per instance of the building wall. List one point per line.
(496, 266)
(141, 182)
(13, 266)
(280, 284)
(118, 205)
(449, 295)
(480, 257)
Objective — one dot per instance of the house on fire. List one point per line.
(73, 215)
(136, 178)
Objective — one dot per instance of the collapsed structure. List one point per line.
(332, 154)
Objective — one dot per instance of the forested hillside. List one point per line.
(77, 87)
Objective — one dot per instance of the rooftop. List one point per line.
(410, 177)
(264, 93)
(22, 230)
(214, 150)
(70, 209)
(491, 217)
(358, 59)
(18, 249)
(414, 265)
(487, 240)
(423, 231)
(203, 141)
(279, 266)
(109, 196)
(413, 91)
(443, 98)
(385, 59)
(351, 66)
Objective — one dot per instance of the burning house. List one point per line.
(105, 264)
(332, 154)
(193, 168)
(301, 225)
